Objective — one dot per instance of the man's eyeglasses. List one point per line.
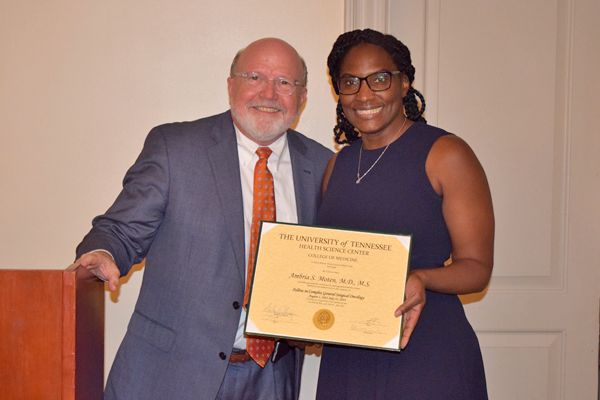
(377, 82)
(257, 82)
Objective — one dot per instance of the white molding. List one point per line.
(362, 14)
(554, 342)
(375, 14)
(556, 281)
(432, 60)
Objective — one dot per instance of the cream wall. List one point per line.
(81, 84)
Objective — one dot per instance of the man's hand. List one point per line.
(101, 264)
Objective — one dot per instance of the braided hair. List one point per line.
(401, 57)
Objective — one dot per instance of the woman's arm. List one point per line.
(457, 176)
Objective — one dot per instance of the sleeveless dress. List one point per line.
(442, 359)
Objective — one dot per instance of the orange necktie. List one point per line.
(263, 209)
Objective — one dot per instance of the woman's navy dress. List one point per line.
(442, 359)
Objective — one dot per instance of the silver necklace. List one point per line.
(381, 155)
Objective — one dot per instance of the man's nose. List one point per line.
(269, 91)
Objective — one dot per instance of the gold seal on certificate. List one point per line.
(323, 319)
(328, 285)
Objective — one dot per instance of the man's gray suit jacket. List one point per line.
(181, 209)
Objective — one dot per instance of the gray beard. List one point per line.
(260, 131)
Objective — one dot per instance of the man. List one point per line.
(186, 206)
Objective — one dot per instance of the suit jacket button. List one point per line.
(236, 305)
(222, 355)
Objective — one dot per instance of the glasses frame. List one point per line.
(247, 75)
(365, 79)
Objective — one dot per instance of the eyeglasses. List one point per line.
(377, 82)
(258, 82)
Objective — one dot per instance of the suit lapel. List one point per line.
(304, 179)
(223, 157)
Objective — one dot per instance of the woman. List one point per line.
(399, 175)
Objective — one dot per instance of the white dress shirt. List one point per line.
(280, 165)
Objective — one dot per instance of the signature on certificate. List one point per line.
(276, 313)
(369, 326)
(366, 329)
(370, 322)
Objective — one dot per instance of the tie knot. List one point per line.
(263, 152)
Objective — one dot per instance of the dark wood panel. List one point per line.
(51, 335)
(89, 341)
(31, 334)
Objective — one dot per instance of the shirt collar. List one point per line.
(247, 149)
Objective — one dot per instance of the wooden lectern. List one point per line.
(51, 334)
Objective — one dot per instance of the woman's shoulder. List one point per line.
(450, 154)
(423, 129)
(350, 148)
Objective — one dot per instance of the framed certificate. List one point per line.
(328, 285)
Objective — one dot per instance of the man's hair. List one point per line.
(401, 57)
(239, 53)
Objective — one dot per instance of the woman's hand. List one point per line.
(413, 306)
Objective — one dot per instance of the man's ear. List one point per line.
(229, 86)
(303, 96)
